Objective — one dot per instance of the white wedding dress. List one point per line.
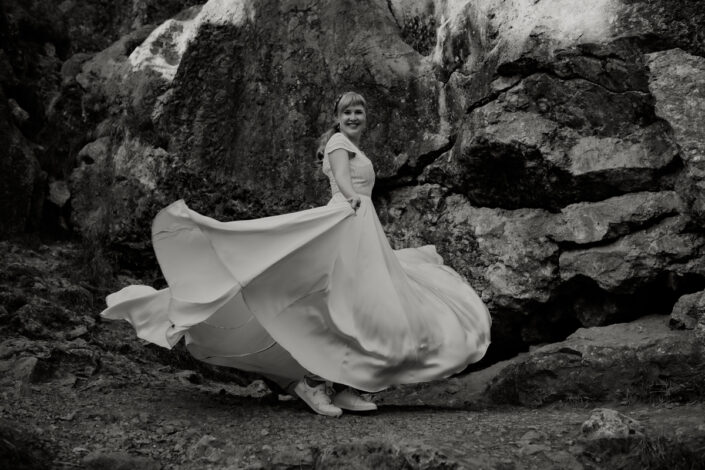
(317, 291)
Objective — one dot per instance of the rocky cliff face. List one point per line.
(553, 151)
(45, 116)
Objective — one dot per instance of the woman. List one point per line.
(312, 295)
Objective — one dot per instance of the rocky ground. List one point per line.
(78, 392)
(155, 418)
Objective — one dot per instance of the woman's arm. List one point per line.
(340, 165)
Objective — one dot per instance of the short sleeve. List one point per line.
(339, 141)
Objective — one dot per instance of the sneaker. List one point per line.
(317, 399)
(351, 400)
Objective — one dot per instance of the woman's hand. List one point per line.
(355, 202)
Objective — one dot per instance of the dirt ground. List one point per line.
(80, 392)
(177, 424)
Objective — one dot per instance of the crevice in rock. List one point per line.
(535, 68)
(581, 303)
(506, 339)
(298, 10)
(626, 228)
(489, 98)
(570, 351)
(504, 169)
(445, 78)
(394, 16)
(667, 175)
(583, 299)
(576, 77)
(408, 173)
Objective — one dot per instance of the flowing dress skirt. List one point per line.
(317, 291)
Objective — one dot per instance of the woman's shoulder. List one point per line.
(339, 141)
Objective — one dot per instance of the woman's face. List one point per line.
(352, 121)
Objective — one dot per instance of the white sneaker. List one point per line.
(317, 398)
(351, 400)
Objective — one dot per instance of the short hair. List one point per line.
(347, 99)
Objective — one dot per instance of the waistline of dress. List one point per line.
(340, 197)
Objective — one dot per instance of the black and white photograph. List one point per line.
(352, 234)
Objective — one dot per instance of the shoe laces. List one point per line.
(320, 394)
(330, 391)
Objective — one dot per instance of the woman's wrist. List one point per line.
(355, 201)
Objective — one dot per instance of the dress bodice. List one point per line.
(362, 172)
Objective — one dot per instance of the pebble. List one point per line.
(606, 423)
(68, 417)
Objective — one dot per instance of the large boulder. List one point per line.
(637, 258)
(640, 360)
(550, 141)
(590, 222)
(689, 313)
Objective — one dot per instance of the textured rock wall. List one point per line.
(551, 149)
(571, 196)
(45, 117)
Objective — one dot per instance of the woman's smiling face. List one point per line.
(352, 121)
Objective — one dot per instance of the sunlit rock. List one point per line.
(605, 423)
(590, 222)
(637, 258)
(163, 49)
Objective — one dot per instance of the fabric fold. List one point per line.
(321, 285)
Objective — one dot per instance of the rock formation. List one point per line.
(552, 150)
(642, 360)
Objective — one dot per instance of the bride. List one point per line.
(312, 296)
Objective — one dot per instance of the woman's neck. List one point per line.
(355, 140)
